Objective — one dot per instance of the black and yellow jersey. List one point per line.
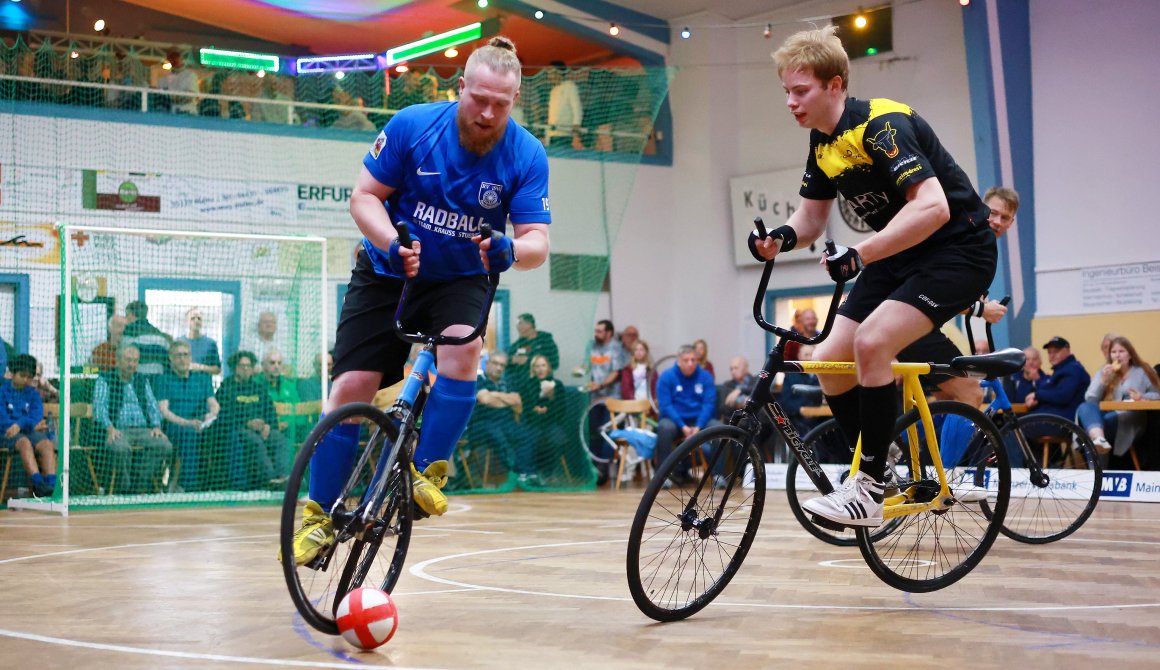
(879, 149)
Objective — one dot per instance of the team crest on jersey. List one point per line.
(489, 195)
(883, 141)
(380, 142)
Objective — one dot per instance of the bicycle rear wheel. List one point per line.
(1052, 500)
(833, 452)
(691, 535)
(931, 550)
(369, 554)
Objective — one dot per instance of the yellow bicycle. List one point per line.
(688, 540)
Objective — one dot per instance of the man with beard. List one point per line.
(443, 168)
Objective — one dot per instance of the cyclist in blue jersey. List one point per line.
(443, 168)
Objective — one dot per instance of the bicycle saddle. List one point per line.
(998, 364)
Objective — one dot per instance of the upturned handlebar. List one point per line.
(759, 301)
(485, 231)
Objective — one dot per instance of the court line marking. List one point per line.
(133, 545)
(420, 570)
(97, 646)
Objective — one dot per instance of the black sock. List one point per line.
(847, 412)
(878, 413)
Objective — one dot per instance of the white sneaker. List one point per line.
(857, 503)
(968, 493)
(1102, 445)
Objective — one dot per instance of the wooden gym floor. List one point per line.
(537, 581)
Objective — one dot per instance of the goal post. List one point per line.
(260, 302)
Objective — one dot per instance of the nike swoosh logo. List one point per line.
(422, 173)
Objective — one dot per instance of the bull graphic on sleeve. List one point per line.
(884, 141)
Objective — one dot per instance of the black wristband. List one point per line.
(788, 237)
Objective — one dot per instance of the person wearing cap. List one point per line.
(1061, 392)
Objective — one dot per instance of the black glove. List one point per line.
(786, 234)
(844, 264)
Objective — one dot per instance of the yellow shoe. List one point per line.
(425, 488)
(317, 531)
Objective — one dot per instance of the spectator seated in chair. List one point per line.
(24, 427)
(125, 407)
(1126, 377)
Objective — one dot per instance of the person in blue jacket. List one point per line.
(1061, 392)
(687, 399)
(24, 428)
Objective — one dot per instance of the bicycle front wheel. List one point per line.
(692, 531)
(833, 452)
(931, 550)
(363, 553)
(1056, 477)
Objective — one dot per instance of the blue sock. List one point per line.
(37, 479)
(331, 463)
(51, 479)
(444, 419)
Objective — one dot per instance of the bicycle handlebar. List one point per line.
(485, 232)
(758, 302)
(990, 338)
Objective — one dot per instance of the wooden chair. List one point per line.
(79, 412)
(1048, 441)
(624, 414)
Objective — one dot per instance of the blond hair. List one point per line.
(499, 54)
(818, 51)
(1005, 194)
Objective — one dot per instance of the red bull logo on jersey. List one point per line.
(445, 222)
(489, 195)
(883, 141)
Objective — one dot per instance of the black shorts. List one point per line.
(934, 347)
(939, 282)
(366, 340)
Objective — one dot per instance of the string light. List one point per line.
(686, 33)
(613, 29)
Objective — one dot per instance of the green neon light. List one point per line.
(435, 43)
(239, 60)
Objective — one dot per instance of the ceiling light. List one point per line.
(261, 74)
(482, 3)
(167, 65)
(860, 21)
(539, 14)
(613, 29)
(99, 25)
(74, 55)
(451, 53)
(686, 33)
(401, 68)
(340, 75)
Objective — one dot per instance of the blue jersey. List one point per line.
(444, 192)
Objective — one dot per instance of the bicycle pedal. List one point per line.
(827, 524)
(417, 512)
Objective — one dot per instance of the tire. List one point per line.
(931, 550)
(373, 556)
(679, 557)
(1050, 508)
(832, 450)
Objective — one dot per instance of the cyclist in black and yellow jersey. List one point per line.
(932, 253)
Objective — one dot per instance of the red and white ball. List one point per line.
(367, 618)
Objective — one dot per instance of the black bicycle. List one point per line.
(689, 539)
(373, 514)
(1055, 470)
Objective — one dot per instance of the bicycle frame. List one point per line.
(762, 401)
(417, 383)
